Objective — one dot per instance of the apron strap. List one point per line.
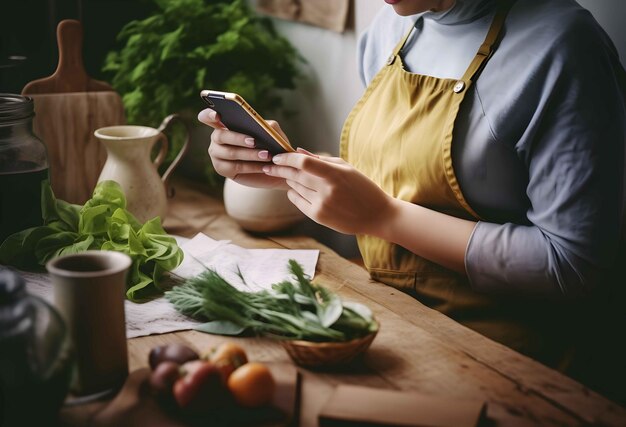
(488, 46)
(486, 49)
(400, 45)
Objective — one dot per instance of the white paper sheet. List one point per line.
(157, 316)
(260, 267)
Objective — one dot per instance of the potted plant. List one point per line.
(189, 45)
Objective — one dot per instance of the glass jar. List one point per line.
(35, 356)
(23, 166)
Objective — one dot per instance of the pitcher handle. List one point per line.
(164, 125)
(163, 150)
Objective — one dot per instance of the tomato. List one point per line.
(200, 388)
(225, 369)
(252, 385)
(177, 353)
(227, 357)
(229, 352)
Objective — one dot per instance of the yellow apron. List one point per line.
(400, 135)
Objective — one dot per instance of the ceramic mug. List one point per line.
(89, 293)
(261, 210)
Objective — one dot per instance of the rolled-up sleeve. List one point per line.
(573, 148)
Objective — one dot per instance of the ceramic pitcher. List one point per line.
(129, 163)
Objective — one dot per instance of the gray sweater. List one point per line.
(538, 144)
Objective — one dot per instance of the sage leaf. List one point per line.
(330, 311)
(360, 309)
(221, 327)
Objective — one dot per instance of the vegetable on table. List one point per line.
(252, 385)
(291, 310)
(102, 223)
(221, 378)
(163, 377)
(177, 353)
(227, 357)
(200, 388)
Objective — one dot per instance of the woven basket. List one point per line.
(326, 354)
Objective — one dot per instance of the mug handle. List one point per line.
(164, 125)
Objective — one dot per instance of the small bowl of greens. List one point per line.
(315, 326)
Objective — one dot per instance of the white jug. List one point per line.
(130, 165)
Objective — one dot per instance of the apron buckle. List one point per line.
(391, 59)
(459, 86)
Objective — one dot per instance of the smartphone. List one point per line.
(238, 116)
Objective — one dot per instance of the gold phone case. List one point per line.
(207, 94)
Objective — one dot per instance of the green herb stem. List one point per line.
(291, 310)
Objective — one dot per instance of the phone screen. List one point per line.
(238, 116)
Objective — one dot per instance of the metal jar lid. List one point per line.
(14, 108)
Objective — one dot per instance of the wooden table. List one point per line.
(417, 348)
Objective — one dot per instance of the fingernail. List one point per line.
(249, 142)
(307, 152)
(278, 159)
(264, 154)
(213, 115)
(266, 169)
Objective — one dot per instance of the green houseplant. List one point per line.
(189, 45)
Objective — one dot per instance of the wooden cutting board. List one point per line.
(69, 107)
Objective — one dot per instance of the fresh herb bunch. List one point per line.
(190, 45)
(300, 310)
(102, 223)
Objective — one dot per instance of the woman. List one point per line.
(481, 171)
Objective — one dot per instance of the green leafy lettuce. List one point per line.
(102, 223)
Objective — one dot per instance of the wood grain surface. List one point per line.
(65, 123)
(417, 349)
(69, 107)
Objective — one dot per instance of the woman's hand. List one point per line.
(332, 192)
(233, 154)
